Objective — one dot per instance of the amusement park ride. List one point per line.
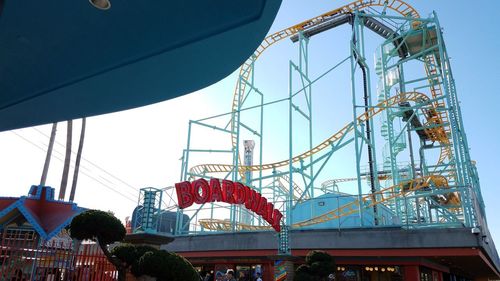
(417, 174)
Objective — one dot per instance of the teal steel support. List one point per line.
(261, 140)
(186, 158)
(461, 148)
(185, 164)
(371, 143)
(150, 199)
(389, 118)
(290, 149)
(292, 184)
(236, 155)
(304, 71)
(357, 145)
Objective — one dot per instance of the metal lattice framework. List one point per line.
(439, 187)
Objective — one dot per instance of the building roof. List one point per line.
(456, 250)
(44, 214)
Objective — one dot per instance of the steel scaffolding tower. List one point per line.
(412, 164)
(149, 209)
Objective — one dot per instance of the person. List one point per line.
(219, 276)
(230, 275)
(258, 277)
(208, 276)
(241, 276)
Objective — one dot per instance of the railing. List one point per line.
(25, 258)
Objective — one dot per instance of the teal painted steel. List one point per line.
(357, 137)
(331, 201)
(413, 138)
(149, 210)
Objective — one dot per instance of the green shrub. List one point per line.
(98, 226)
(318, 266)
(165, 266)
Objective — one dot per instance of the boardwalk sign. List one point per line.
(201, 191)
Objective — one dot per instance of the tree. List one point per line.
(303, 273)
(318, 266)
(165, 266)
(105, 229)
(130, 254)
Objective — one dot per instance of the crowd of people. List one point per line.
(230, 276)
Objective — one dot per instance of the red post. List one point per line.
(269, 272)
(411, 273)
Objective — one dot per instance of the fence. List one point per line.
(23, 256)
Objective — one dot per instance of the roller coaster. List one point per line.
(426, 177)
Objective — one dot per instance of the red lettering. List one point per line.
(269, 213)
(205, 191)
(184, 194)
(249, 198)
(277, 220)
(255, 205)
(262, 210)
(240, 193)
(215, 190)
(200, 192)
(228, 191)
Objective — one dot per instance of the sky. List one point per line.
(138, 148)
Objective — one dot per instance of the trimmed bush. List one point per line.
(318, 266)
(165, 266)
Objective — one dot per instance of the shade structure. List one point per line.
(62, 60)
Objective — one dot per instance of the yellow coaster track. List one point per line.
(391, 102)
(436, 128)
(381, 196)
(398, 6)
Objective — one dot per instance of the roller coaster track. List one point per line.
(437, 126)
(380, 107)
(383, 195)
(278, 182)
(297, 191)
(398, 6)
(333, 182)
(440, 117)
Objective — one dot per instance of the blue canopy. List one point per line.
(62, 60)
